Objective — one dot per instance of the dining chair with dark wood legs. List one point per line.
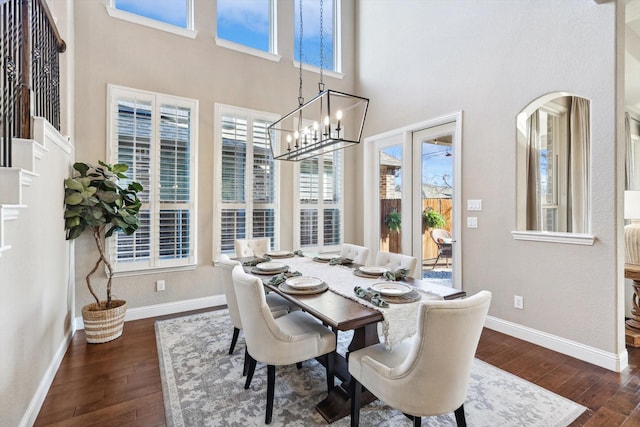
(286, 340)
(428, 374)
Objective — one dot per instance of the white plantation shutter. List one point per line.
(155, 136)
(234, 153)
(320, 203)
(263, 218)
(175, 182)
(245, 180)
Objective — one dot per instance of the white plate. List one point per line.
(270, 266)
(279, 253)
(303, 282)
(328, 256)
(374, 270)
(391, 288)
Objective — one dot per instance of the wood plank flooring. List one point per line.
(118, 383)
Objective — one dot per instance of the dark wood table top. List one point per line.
(343, 313)
(333, 309)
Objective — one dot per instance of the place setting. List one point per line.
(370, 272)
(269, 268)
(280, 254)
(382, 294)
(325, 258)
(303, 285)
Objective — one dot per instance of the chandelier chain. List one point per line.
(300, 98)
(321, 84)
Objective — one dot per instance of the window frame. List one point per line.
(188, 31)
(272, 54)
(155, 264)
(336, 71)
(557, 114)
(221, 110)
(320, 206)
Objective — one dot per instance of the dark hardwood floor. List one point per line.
(118, 383)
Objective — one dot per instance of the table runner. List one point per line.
(399, 319)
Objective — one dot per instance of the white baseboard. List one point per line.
(612, 361)
(30, 415)
(147, 311)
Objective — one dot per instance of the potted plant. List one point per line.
(95, 202)
(433, 219)
(393, 221)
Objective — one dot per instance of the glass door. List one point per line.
(390, 185)
(433, 210)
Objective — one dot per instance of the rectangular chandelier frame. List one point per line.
(331, 121)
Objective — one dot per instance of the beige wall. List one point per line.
(37, 297)
(490, 60)
(416, 60)
(109, 50)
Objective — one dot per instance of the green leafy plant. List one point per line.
(433, 219)
(393, 221)
(95, 201)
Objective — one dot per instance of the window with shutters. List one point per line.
(320, 203)
(245, 179)
(155, 135)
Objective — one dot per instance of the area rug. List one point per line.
(437, 274)
(203, 386)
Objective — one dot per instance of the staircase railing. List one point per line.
(30, 49)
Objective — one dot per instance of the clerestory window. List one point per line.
(249, 23)
(311, 37)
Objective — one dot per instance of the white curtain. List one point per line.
(534, 221)
(629, 170)
(579, 149)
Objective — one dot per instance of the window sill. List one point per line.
(314, 69)
(153, 270)
(152, 23)
(246, 49)
(553, 237)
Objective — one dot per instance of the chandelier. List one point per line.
(331, 121)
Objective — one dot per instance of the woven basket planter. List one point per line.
(103, 325)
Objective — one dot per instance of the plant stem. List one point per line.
(107, 264)
(96, 236)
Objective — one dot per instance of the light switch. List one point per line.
(474, 205)
(472, 222)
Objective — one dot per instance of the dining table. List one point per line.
(337, 305)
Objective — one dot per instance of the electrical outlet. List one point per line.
(518, 302)
(159, 285)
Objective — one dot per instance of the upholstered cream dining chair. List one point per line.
(429, 373)
(359, 254)
(396, 261)
(251, 247)
(285, 340)
(277, 304)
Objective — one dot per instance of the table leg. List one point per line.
(337, 404)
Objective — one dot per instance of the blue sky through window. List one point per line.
(172, 12)
(311, 33)
(246, 22)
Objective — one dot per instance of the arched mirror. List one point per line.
(553, 169)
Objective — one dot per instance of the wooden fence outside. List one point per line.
(391, 241)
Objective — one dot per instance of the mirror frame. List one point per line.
(538, 235)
